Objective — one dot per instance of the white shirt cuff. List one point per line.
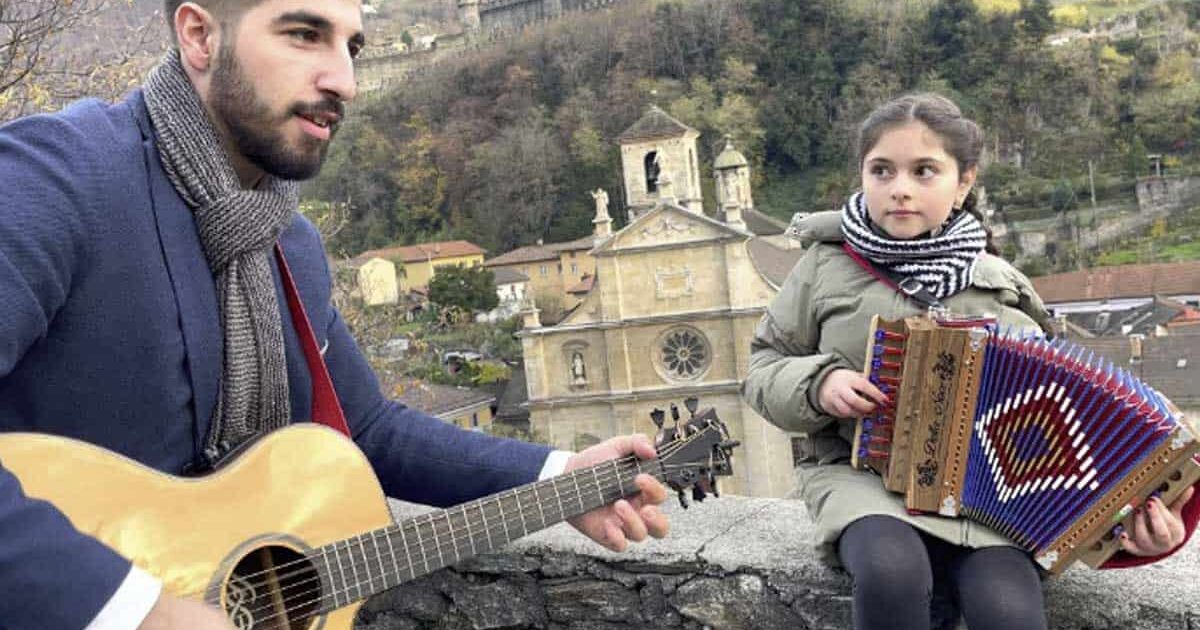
(130, 605)
(556, 462)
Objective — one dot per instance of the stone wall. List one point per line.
(730, 563)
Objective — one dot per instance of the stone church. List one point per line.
(672, 310)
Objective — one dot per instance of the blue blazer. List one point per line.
(110, 333)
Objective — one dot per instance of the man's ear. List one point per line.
(198, 34)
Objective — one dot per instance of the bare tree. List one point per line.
(54, 51)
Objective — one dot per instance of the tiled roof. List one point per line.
(504, 275)
(1125, 281)
(586, 242)
(584, 285)
(1141, 320)
(437, 399)
(529, 253)
(424, 251)
(772, 262)
(1170, 364)
(655, 124)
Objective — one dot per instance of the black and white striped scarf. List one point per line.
(942, 263)
(238, 229)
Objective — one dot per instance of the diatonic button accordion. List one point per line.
(1035, 438)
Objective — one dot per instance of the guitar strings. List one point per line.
(410, 569)
(494, 499)
(438, 545)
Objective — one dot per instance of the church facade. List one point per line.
(671, 311)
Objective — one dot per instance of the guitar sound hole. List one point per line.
(273, 588)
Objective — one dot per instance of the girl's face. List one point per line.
(911, 183)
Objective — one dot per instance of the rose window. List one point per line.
(684, 353)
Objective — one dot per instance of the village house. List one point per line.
(385, 274)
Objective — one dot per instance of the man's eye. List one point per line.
(306, 35)
(355, 50)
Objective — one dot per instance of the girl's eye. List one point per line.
(881, 171)
(926, 171)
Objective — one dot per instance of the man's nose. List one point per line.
(337, 76)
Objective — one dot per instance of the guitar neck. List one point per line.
(358, 567)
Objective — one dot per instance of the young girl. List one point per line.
(915, 219)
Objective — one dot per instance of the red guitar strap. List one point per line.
(326, 409)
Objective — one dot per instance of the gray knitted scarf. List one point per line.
(238, 229)
(944, 262)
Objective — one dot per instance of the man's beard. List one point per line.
(256, 133)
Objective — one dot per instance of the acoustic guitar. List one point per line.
(294, 532)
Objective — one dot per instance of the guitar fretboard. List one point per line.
(358, 567)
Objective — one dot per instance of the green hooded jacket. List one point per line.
(818, 323)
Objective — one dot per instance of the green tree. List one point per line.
(469, 288)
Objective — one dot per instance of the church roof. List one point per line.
(762, 224)
(652, 126)
(774, 263)
(439, 400)
(529, 253)
(504, 275)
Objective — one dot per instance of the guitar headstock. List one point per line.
(693, 454)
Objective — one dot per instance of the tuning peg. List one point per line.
(675, 413)
(657, 416)
(712, 485)
(698, 493)
(683, 499)
(692, 403)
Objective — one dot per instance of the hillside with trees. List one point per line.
(500, 147)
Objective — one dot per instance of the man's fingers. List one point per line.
(656, 522)
(614, 538)
(637, 444)
(651, 490)
(867, 388)
(631, 522)
(858, 405)
(1157, 523)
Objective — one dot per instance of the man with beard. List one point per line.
(145, 303)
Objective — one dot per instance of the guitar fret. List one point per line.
(412, 572)
(487, 528)
(538, 501)
(453, 536)
(578, 492)
(366, 567)
(503, 519)
(521, 513)
(450, 533)
(350, 559)
(333, 590)
(392, 553)
(379, 558)
(562, 510)
(467, 526)
(599, 487)
(620, 482)
(424, 557)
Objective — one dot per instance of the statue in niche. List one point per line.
(601, 197)
(578, 371)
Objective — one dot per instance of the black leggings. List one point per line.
(894, 568)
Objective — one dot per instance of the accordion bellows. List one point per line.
(1034, 438)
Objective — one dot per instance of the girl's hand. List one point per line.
(1156, 528)
(848, 394)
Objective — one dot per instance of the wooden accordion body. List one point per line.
(1024, 435)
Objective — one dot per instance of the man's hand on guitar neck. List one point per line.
(173, 612)
(626, 519)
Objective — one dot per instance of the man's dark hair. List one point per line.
(227, 12)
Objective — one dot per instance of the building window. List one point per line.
(683, 354)
(574, 269)
(651, 165)
(543, 271)
(475, 420)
